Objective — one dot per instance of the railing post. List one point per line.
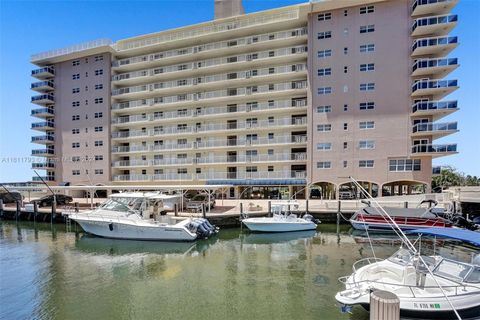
(306, 206)
(204, 212)
(35, 210)
(269, 208)
(175, 209)
(19, 208)
(241, 209)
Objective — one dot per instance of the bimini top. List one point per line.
(459, 234)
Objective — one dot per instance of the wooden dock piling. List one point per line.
(204, 211)
(384, 305)
(269, 208)
(19, 209)
(175, 209)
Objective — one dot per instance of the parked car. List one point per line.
(10, 197)
(47, 201)
(195, 203)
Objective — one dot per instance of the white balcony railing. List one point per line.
(238, 42)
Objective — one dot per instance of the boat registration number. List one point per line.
(426, 305)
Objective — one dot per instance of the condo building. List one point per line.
(274, 102)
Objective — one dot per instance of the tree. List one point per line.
(449, 176)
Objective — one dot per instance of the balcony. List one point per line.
(43, 113)
(434, 68)
(43, 126)
(243, 77)
(45, 178)
(435, 26)
(214, 48)
(436, 109)
(435, 150)
(213, 175)
(43, 152)
(214, 65)
(424, 7)
(211, 144)
(438, 46)
(44, 73)
(43, 99)
(435, 88)
(45, 139)
(225, 95)
(436, 130)
(43, 165)
(42, 86)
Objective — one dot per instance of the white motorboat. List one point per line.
(282, 220)
(140, 216)
(430, 287)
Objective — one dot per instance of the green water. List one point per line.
(52, 274)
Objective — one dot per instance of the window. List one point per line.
(367, 125)
(400, 165)
(367, 67)
(345, 69)
(181, 82)
(368, 9)
(99, 86)
(98, 114)
(75, 117)
(75, 131)
(324, 72)
(367, 29)
(98, 100)
(98, 143)
(75, 159)
(251, 169)
(324, 35)
(75, 103)
(324, 53)
(98, 157)
(324, 127)
(345, 13)
(98, 129)
(345, 163)
(181, 141)
(75, 63)
(98, 58)
(75, 145)
(324, 90)
(367, 86)
(324, 109)
(324, 16)
(345, 107)
(76, 76)
(345, 126)
(181, 156)
(182, 171)
(366, 144)
(98, 171)
(98, 72)
(75, 172)
(366, 163)
(326, 146)
(324, 165)
(367, 48)
(270, 169)
(367, 105)
(75, 90)
(345, 50)
(345, 145)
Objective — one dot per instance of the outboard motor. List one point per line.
(462, 222)
(311, 218)
(204, 229)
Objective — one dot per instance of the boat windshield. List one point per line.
(402, 257)
(454, 270)
(122, 204)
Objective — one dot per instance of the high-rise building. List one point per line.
(268, 102)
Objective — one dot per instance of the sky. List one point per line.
(28, 27)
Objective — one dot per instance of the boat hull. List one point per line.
(118, 230)
(379, 223)
(277, 226)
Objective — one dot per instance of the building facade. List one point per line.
(273, 102)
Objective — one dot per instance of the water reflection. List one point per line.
(235, 275)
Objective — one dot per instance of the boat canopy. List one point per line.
(472, 237)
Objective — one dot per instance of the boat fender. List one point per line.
(110, 226)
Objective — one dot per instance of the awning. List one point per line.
(259, 182)
(472, 237)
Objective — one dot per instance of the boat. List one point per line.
(140, 216)
(373, 218)
(429, 287)
(282, 220)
